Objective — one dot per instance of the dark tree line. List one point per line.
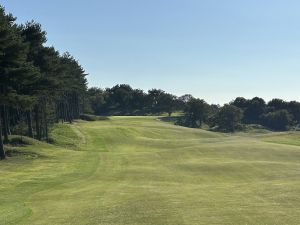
(124, 100)
(38, 85)
(277, 114)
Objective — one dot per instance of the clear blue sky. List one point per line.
(212, 49)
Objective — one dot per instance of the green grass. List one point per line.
(140, 170)
(286, 138)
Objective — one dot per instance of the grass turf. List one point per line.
(139, 170)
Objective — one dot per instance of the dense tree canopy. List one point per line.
(38, 85)
(196, 111)
(277, 120)
(229, 118)
(122, 99)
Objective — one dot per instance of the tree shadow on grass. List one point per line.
(12, 152)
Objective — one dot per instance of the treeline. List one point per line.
(277, 114)
(38, 85)
(124, 100)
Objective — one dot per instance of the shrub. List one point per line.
(88, 117)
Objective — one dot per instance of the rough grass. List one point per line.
(139, 170)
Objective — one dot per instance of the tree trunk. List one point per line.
(45, 122)
(57, 112)
(37, 123)
(46, 130)
(2, 152)
(29, 122)
(8, 121)
(5, 126)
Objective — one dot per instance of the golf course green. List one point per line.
(140, 170)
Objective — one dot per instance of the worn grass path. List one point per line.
(138, 170)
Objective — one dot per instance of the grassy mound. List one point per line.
(67, 136)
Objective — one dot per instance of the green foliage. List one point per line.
(255, 108)
(294, 110)
(277, 114)
(229, 118)
(95, 101)
(196, 112)
(124, 100)
(278, 120)
(240, 102)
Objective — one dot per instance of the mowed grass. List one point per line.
(139, 170)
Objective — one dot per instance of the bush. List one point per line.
(88, 117)
(186, 122)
